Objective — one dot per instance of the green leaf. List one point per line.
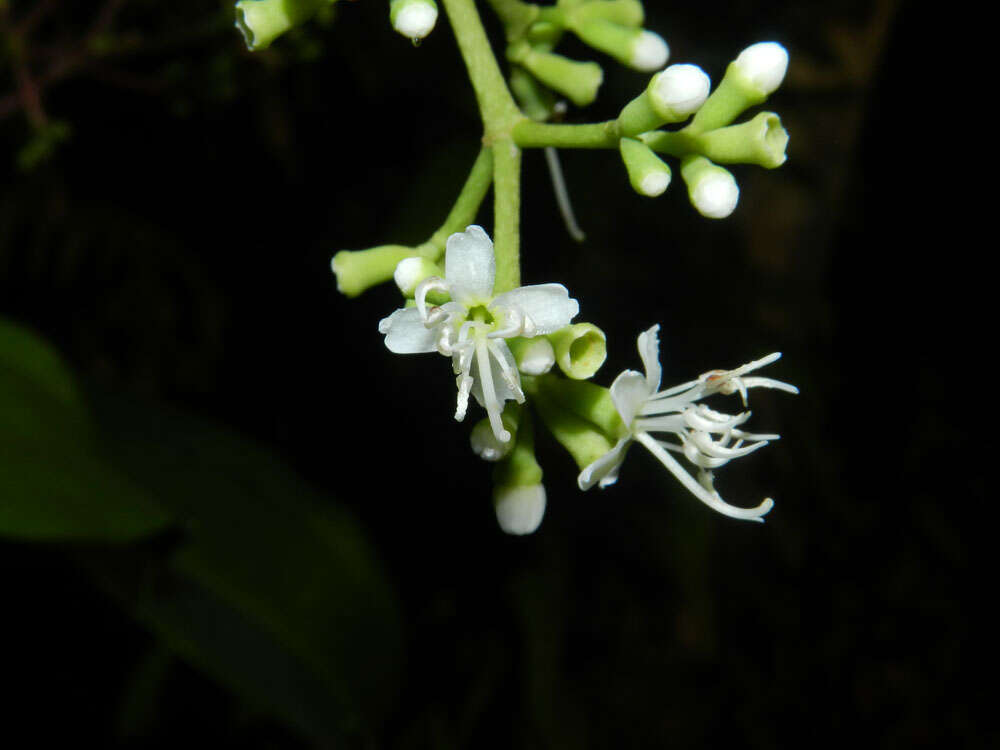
(54, 485)
(273, 589)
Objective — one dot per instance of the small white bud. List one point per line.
(680, 89)
(411, 271)
(764, 64)
(650, 52)
(414, 19)
(716, 195)
(485, 444)
(537, 357)
(654, 183)
(519, 509)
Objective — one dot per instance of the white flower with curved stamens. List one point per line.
(471, 328)
(707, 438)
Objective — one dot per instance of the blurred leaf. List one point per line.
(53, 483)
(273, 591)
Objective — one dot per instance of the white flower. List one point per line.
(471, 328)
(707, 438)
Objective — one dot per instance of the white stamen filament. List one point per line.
(420, 297)
(489, 393)
(711, 498)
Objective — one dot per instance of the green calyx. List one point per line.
(263, 21)
(580, 349)
(761, 141)
(577, 81)
(519, 468)
(647, 172)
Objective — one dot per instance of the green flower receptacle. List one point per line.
(577, 81)
(263, 21)
(358, 270)
(580, 349)
(647, 172)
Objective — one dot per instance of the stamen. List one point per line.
(510, 377)
(420, 297)
(489, 393)
(711, 498)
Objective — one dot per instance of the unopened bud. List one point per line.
(672, 95)
(713, 190)
(485, 443)
(749, 80)
(411, 271)
(534, 356)
(639, 49)
(760, 141)
(577, 81)
(647, 172)
(263, 21)
(414, 19)
(679, 91)
(764, 65)
(519, 509)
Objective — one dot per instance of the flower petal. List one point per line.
(629, 392)
(470, 266)
(549, 306)
(405, 332)
(649, 350)
(605, 469)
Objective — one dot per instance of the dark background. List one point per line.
(175, 248)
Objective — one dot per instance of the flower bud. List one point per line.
(672, 95)
(414, 19)
(763, 65)
(749, 80)
(760, 141)
(647, 172)
(713, 190)
(518, 494)
(679, 91)
(358, 270)
(636, 48)
(580, 349)
(485, 444)
(411, 271)
(519, 509)
(263, 21)
(577, 81)
(534, 356)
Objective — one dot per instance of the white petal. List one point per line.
(549, 306)
(649, 350)
(520, 509)
(629, 392)
(405, 332)
(605, 469)
(470, 266)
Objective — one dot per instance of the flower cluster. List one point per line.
(472, 327)
(516, 350)
(707, 438)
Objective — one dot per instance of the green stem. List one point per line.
(530, 134)
(507, 214)
(466, 206)
(496, 105)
